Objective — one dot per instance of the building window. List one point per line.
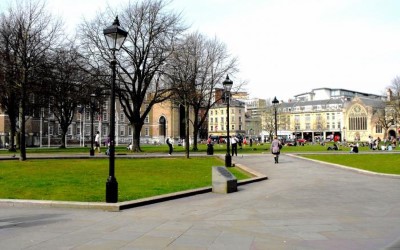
(146, 132)
(357, 118)
(87, 130)
(146, 120)
(104, 130)
(69, 130)
(378, 128)
(105, 116)
(129, 130)
(105, 105)
(122, 117)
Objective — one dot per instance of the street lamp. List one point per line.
(92, 108)
(227, 87)
(275, 103)
(115, 36)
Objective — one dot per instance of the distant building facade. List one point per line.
(326, 113)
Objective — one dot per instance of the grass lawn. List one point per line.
(380, 163)
(84, 179)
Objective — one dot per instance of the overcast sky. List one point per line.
(289, 47)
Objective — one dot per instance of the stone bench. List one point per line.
(223, 181)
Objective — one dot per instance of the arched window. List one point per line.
(357, 118)
(162, 126)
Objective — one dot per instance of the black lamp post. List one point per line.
(227, 87)
(92, 107)
(115, 36)
(275, 103)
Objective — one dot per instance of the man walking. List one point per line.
(97, 141)
(234, 142)
(169, 142)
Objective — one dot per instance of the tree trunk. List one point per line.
(63, 135)
(195, 135)
(187, 141)
(22, 139)
(136, 137)
(13, 129)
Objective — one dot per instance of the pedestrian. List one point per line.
(97, 141)
(169, 143)
(234, 142)
(276, 149)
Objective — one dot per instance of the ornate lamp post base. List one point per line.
(228, 160)
(111, 190)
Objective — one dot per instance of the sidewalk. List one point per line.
(303, 205)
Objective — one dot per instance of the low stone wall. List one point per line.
(223, 181)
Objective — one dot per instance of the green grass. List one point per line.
(84, 179)
(380, 163)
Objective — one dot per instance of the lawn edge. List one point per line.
(396, 176)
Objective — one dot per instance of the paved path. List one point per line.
(303, 205)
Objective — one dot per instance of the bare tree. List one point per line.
(268, 119)
(152, 34)
(197, 67)
(9, 98)
(66, 85)
(32, 33)
(393, 102)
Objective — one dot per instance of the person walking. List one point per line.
(169, 143)
(97, 141)
(234, 142)
(276, 149)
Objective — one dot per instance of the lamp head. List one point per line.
(115, 35)
(275, 101)
(227, 84)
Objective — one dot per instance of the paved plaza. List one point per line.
(303, 205)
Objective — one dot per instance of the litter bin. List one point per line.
(210, 149)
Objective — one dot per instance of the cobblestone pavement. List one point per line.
(303, 205)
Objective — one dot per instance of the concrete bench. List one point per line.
(223, 181)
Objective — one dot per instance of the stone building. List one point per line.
(326, 113)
